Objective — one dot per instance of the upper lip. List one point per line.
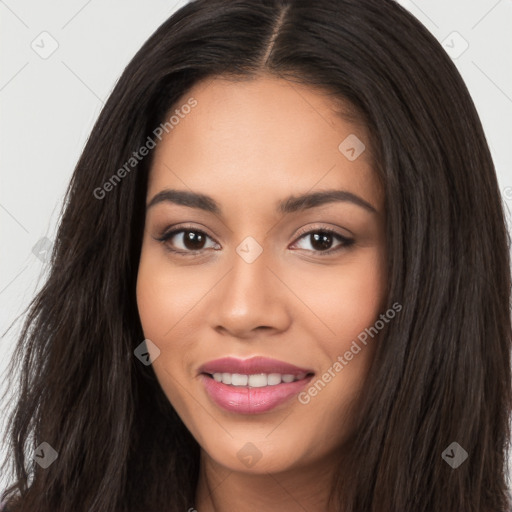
(251, 366)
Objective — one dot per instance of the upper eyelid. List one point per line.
(344, 239)
(167, 233)
(306, 231)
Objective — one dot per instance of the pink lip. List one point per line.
(251, 366)
(248, 400)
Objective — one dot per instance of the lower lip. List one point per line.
(246, 400)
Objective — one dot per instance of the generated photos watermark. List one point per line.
(144, 150)
(343, 360)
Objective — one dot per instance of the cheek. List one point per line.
(156, 303)
(347, 298)
(166, 295)
(351, 302)
(361, 296)
(163, 303)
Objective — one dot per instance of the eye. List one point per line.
(320, 240)
(190, 241)
(187, 241)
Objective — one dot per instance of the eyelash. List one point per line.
(345, 242)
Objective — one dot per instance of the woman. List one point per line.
(281, 280)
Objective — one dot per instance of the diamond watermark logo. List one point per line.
(455, 45)
(42, 249)
(352, 147)
(249, 454)
(249, 250)
(45, 45)
(146, 352)
(45, 455)
(454, 455)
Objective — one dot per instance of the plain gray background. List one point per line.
(61, 59)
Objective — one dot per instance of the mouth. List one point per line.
(253, 385)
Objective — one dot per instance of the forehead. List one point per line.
(266, 136)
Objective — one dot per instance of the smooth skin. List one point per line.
(249, 145)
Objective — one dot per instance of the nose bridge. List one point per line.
(250, 294)
(249, 277)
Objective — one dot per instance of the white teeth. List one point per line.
(258, 380)
(273, 379)
(239, 380)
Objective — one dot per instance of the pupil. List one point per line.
(193, 240)
(321, 241)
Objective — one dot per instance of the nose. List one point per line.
(251, 298)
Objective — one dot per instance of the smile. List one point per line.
(247, 399)
(258, 380)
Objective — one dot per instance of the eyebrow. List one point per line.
(291, 204)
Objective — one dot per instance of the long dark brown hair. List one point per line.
(442, 371)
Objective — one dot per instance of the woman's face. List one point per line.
(252, 271)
